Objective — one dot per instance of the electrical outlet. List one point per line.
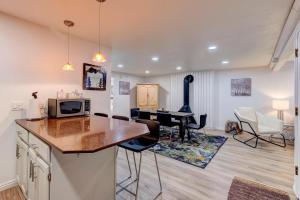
(17, 106)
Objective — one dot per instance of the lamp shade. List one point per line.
(281, 104)
(68, 67)
(99, 57)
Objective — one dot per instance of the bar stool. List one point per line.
(130, 173)
(138, 146)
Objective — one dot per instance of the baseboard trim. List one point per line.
(8, 184)
(295, 191)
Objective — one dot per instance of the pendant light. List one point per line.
(99, 57)
(68, 66)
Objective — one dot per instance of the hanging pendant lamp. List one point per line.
(68, 66)
(99, 57)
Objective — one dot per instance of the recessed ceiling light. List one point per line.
(212, 48)
(178, 68)
(120, 65)
(155, 58)
(147, 72)
(225, 62)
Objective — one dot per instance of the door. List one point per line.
(31, 178)
(41, 171)
(297, 118)
(142, 96)
(38, 183)
(153, 96)
(21, 154)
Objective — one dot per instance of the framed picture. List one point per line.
(241, 87)
(94, 77)
(124, 88)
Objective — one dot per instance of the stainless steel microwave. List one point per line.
(58, 108)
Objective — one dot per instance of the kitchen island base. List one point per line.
(88, 176)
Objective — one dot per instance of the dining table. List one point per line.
(182, 117)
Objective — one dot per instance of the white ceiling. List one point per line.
(178, 31)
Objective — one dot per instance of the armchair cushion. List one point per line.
(247, 115)
(261, 124)
(271, 122)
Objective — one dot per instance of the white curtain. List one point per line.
(201, 94)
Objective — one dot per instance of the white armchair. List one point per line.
(258, 125)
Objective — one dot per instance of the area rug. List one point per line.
(199, 151)
(243, 189)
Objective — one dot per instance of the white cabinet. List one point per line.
(21, 154)
(42, 171)
(31, 178)
(32, 171)
(38, 183)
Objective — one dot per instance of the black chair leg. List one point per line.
(280, 145)
(189, 134)
(245, 142)
(258, 138)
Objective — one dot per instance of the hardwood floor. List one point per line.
(12, 194)
(267, 164)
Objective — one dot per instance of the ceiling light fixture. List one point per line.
(225, 62)
(212, 48)
(147, 72)
(68, 66)
(155, 58)
(99, 57)
(178, 68)
(120, 65)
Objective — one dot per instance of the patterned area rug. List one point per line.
(198, 152)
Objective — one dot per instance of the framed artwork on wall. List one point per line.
(94, 77)
(241, 87)
(124, 87)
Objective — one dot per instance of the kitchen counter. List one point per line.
(83, 134)
(71, 158)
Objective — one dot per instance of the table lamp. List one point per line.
(280, 106)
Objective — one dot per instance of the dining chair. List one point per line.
(165, 120)
(139, 145)
(195, 126)
(144, 115)
(134, 113)
(101, 114)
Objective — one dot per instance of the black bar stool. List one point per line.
(130, 172)
(138, 146)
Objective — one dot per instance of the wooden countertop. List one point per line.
(84, 134)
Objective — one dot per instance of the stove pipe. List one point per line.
(186, 94)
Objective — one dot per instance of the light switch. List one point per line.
(17, 105)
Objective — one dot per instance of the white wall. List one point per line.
(31, 59)
(266, 86)
(123, 103)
